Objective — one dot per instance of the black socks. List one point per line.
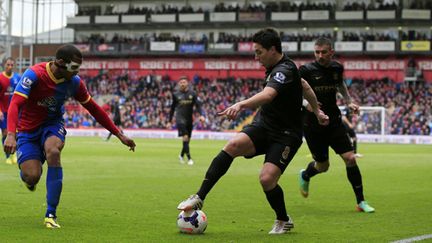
(276, 199)
(217, 169)
(355, 178)
(310, 171)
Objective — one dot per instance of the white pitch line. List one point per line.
(413, 239)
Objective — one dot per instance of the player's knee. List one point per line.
(31, 177)
(53, 155)
(52, 152)
(322, 167)
(233, 147)
(267, 181)
(350, 160)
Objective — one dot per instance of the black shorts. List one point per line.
(184, 129)
(319, 141)
(117, 122)
(350, 131)
(279, 148)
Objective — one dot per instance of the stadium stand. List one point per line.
(146, 101)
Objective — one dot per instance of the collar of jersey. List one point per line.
(280, 61)
(5, 74)
(51, 75)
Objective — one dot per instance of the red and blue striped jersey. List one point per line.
(7, 87)
(46, 96)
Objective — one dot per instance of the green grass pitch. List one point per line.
(112, 195)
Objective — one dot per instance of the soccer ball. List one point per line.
(192, 222)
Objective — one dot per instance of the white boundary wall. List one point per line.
(170, 134)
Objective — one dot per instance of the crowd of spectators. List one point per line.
(304, 36)
(351, 36)
(226, 37)
(415, 35)
(145, 38)
(146, 102)
(408, 106)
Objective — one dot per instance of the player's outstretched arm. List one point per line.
(102, 117)
(17, 101)
(263, 97)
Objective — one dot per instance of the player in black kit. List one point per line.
(116, 116)
(183, 102)
(325, 76)
(276, 130)
(347, 119)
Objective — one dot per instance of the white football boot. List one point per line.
(281, 227)
(194, 202)
(181, 160)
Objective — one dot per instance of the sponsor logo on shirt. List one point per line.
(49, 102)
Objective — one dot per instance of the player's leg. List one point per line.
(3, 126)
(182, 132)
(342, 145)
(7, 155)
(117, 123)
(30, 159)
(186, 140)
(53, 140)
(30, 172)
(239, 145)
(318, 146)
(354, 142)
(108, 137)
(277, 158)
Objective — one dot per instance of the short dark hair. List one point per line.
(183, 77)
(267, 38)
(67, 52)
(7, 59)
(323, 41)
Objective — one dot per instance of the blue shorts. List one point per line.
(30, 145)
(3, 123)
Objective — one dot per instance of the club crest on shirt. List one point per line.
(9, 90)
(26, 83)
(286, 152)
(279, 77)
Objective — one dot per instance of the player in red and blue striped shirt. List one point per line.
(8, 82)
(36, 127)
